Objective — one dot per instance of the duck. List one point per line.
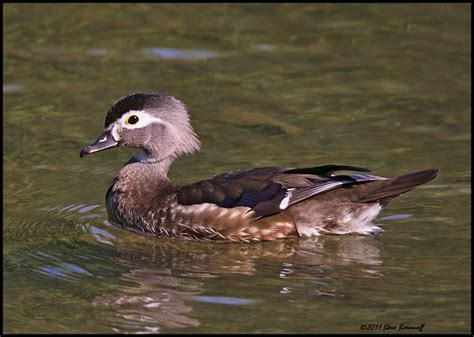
(247, 205)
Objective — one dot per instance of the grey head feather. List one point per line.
(174, 136)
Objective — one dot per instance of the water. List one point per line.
(380, 86)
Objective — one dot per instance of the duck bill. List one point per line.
(104, 142)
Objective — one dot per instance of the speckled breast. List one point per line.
(167, 218)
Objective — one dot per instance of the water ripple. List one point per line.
(396, 217)
(11, 88)
(180, 54)
(222, 300)
(103, 236)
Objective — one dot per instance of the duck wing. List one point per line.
(269, 190)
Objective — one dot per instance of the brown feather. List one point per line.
(394, 186)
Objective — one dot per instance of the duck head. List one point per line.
(156, 125)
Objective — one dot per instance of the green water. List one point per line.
(381, 86)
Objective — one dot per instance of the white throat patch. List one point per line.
(140, 155)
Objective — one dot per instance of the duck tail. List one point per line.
(393, 187)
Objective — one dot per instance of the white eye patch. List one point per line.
(141, 119)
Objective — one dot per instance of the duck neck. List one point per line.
(150, 169)
(133, 190)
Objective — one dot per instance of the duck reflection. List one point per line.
(169, 276)
(153, 302)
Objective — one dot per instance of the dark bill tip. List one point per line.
(84, 151)
(105, 141)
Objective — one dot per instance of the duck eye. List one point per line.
(133, 119)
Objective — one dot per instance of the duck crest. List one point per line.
(136, 101)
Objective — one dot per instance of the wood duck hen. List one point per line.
(248, 205)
